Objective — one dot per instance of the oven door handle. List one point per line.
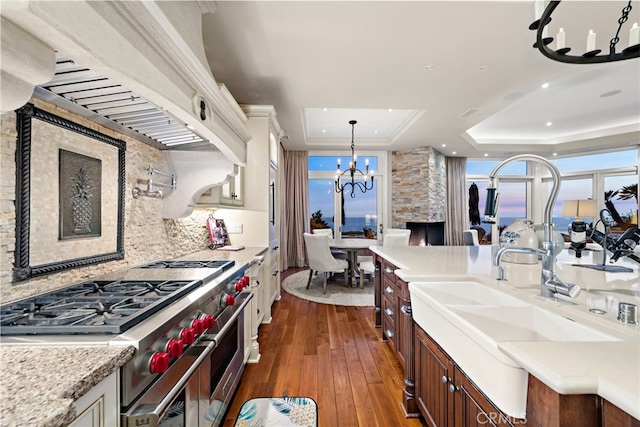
(150, 415)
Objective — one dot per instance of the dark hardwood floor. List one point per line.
(332, 354)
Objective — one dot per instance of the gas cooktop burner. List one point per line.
(223, 265)
(91, 307)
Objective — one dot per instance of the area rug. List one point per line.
(337, 293)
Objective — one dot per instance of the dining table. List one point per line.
(352, 246)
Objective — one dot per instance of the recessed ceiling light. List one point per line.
(610, 93)
(453, 152)
(375, 131)
(444, 145)
(324, 131)
(485, 67)
(390, 110)
(486, 154)
(554, 154)
(324, 109)
(545, 85)
(549, 123)
(429, 67)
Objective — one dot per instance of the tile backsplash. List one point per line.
(147, 236)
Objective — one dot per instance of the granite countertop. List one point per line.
(39, 384)
(609, 369)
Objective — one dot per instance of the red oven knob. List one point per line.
(240, 285)
(209, 321)
(171, 346)
(195, 324)
(187, 336)
(158, 363)
(174, 348)
(198, 326)
(229, 300)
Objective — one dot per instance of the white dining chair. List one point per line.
(321, 260)
(470, 238)
(392, 237)
(337, 253)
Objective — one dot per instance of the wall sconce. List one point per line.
(152, 191)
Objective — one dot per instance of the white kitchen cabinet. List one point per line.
(100, 406)
(229, 194)
(261, 193)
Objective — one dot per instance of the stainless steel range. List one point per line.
(185, 319)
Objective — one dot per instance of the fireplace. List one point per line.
(426, 233)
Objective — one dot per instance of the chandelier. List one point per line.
(367, 178)
(591, 55)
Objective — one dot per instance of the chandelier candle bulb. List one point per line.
(591, 41)
(634, 35)
(560, 39)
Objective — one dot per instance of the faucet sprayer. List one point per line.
(550, 284)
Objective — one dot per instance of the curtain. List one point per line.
(457, 218)
(294, 207)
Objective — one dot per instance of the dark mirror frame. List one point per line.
(22, 269)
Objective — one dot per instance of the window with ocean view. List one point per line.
(611, 179)
(350, 216)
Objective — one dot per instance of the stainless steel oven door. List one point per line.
(174, 399)
(220, 375)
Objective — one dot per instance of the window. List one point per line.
(347, 216)
(621, 198)
(571, 189)
(611, 179)
(512, 187)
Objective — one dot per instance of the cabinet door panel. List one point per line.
(612, 416)
(433, 375)
(472, 408)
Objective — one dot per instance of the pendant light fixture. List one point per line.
(364, 179)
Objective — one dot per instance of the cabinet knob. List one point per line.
(453, 388)
(388, 270)
(445, 379)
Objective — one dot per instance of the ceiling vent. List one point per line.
(468, 113)
(108, 99)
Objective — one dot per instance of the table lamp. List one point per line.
(578, 228)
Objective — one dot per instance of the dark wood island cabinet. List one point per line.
(397, 326)
(437, 389)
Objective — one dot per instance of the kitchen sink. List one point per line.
(470, 320)
(526, 323)
(468, 293)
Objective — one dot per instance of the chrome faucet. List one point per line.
(550, 284)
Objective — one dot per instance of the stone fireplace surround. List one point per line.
(419, 196)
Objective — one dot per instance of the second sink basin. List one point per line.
(468, 293)
(526, 323)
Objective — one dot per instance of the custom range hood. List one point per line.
(136, 67)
